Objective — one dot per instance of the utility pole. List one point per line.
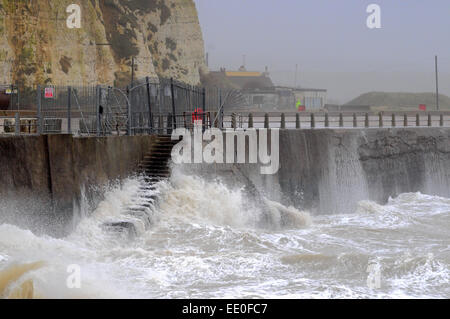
(437, 82)
(296, 73)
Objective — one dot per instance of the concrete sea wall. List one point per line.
(44, 180)
(330, 171)
(47, 181)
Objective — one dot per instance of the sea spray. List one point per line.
(195, 199)
(206, 243)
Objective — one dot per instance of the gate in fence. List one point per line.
(152, 106)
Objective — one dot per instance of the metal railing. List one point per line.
(15, 124)
(105, 110)
(164, 123)
(303, 120)
(162, 105)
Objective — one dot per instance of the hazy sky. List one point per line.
(331, 43)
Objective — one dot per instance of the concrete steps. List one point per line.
(156, 162)
(154, 169)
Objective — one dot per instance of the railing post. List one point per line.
(313, 120)
(149, 100)
(405, 120)
(203, 94)
(129, 112)
(174, 112)
(39, 111)
(417, 120)
(366, 121)
(250, 120)
(441, 120)
(430, 122)
(394, 123)
(380, 119)
(355, 120)
(266, 121)
(283, 121)
(210, 120)
(161, 124)
(204, 98)
(216, 119)
(233, 121)
(69, 110)
(327, 120)
(341, 120)
(169, 124)
(220, 110)
(218, 98)
(97, 112)
(204, 120)
(17, 119)
(297, 121)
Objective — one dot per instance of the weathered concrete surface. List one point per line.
(42, 178)
(330, 171)
(324, 171)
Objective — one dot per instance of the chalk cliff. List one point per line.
(36, 46)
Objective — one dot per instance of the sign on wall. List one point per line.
(49, 93)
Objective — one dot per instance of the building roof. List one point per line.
(301, 89)
(241, 79)
(251, 82)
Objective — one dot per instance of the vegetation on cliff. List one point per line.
(163, 37)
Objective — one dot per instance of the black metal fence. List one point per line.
(321, 120)
(152, 106)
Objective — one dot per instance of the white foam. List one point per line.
(206, 243)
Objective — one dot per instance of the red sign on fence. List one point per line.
(197, 115)
(49, 93)
(422, 107)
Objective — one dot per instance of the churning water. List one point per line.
(205, 242)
